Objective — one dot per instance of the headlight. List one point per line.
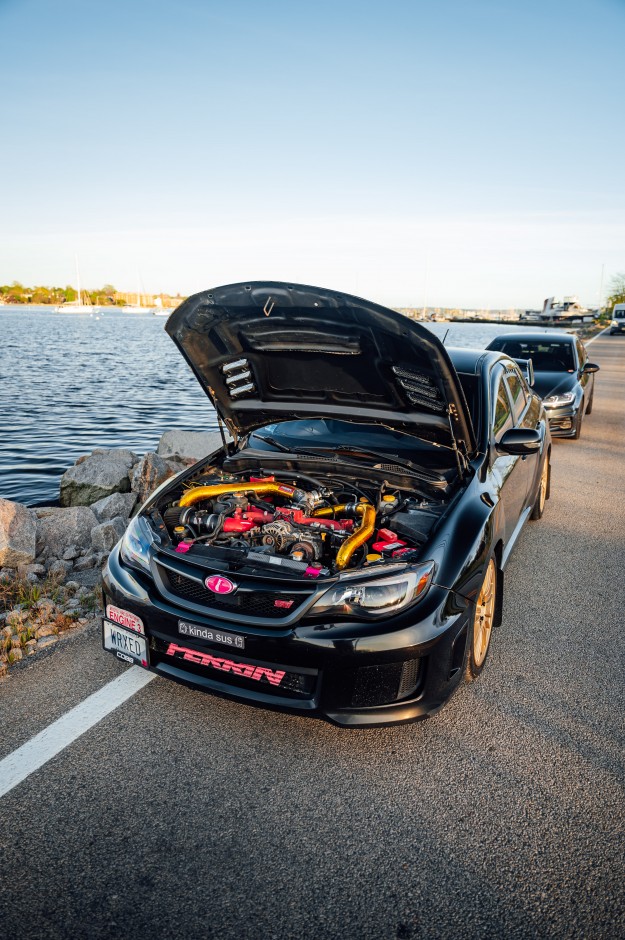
(379, 598)
(614, 322)
(556, 401)
(136, 542)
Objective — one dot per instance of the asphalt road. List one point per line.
(183, 815)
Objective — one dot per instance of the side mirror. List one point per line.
(519, 441)
(589, 368)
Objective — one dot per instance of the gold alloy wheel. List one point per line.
(484, 615)
(542, 489)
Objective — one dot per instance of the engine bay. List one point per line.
(300, 526)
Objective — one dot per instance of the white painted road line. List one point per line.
(596, 336)
(52, 740)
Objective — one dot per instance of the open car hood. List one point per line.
(268, 351)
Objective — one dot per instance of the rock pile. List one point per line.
(98, 496)
(37, 622)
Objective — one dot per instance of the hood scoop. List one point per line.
(238, 378)
(419, 389)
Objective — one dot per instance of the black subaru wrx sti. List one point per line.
(343, 553)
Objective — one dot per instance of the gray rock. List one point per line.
(46, 607)
(178, 464)
(31, 577)
(73, 585)
(31, 569)
(47, 641)
(147, 474)
(7, 574)
(195, 444)
(117, 504)
(107, 534)
(48, 629)
(94, 477)
(87, 561)
(59, 568)
(18, 534)
(17, 617)
(70, 553)
(61, 529)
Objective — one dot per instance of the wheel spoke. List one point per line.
(484, 615)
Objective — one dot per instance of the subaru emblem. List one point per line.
(220, 585)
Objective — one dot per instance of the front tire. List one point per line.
(484, 618)
(544, 488)
(578, 424)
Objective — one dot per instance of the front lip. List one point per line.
(329, 648)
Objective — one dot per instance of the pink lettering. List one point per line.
(247, 670)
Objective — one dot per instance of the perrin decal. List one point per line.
(246, 670)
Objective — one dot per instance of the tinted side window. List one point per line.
(502, 418)
(517, 394)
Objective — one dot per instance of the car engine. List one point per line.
(312, 532)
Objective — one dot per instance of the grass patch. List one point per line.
(20, 591)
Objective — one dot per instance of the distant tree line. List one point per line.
(106, 296)
(17, 293)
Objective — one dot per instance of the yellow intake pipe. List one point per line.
(362, 534)
(196, 493)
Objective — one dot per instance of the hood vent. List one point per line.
(238, 377)
(419, 389)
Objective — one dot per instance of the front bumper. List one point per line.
(562, 421)
(350, 673)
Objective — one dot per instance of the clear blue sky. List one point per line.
(451, 152)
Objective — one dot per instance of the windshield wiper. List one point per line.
(283, 447)
(392, 460)
(389, 459)
(272, 442)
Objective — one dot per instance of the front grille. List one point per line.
(270, 605)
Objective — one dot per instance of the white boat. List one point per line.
(568, 308)
(78, 305)
(138, 307)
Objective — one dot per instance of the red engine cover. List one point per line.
(387, 541)
(297, 516)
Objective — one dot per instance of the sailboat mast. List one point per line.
(79, 301)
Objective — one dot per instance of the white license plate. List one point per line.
(126, 645)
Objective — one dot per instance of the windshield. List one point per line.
(546, 355)
(330, 433)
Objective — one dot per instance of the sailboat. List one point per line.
(77, 306)
(137, 308)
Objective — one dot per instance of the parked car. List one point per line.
(563, 376)
(343, 554)
(618, 319)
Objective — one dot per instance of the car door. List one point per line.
(511, 474)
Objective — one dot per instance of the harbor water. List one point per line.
(70, 383)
